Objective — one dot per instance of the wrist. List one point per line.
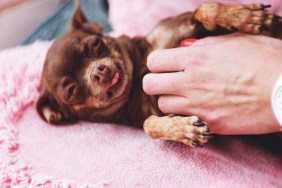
(276, 100)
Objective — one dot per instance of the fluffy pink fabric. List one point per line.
(35, 154)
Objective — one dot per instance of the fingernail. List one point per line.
(187, 42)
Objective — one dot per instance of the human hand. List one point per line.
(227, 81)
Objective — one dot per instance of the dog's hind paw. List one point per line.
(252, 18)
(188, 130)
(256, 19)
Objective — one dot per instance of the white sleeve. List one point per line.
(276, 100)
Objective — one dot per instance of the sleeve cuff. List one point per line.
(276, 100)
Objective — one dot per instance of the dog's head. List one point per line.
(85, 75)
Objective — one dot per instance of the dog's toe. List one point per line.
(259, 20)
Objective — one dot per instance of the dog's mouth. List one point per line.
(115, 79)
(109, 80)
(118, 84)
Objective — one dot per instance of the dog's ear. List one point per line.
(49, 110)
(79, 22)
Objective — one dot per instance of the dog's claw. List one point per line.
(266, 6)
(197, 144)
(276, 18)
(199, 123)
(207, 133)
(171, 115)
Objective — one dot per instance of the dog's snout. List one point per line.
(100, 74)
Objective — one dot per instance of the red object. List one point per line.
(187, 42)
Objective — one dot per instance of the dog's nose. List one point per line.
(100, 74)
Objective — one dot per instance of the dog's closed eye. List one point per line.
(95, 47)
(70, 91)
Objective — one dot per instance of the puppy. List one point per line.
(92, 77)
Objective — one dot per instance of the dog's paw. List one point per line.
(252, 18)
(188, 130)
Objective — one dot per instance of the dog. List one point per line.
(92, 77)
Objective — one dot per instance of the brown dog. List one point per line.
(88, 76)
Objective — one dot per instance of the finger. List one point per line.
(177, 59)
(167, 60)
(165, 83)
(172, 104)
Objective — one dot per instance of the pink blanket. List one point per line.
(35, 154)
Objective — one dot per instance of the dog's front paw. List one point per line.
(188, 130)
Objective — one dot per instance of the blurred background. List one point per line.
(24, 21)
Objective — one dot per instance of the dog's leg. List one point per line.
(209, 19)
(188, 130)
(252, 18)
